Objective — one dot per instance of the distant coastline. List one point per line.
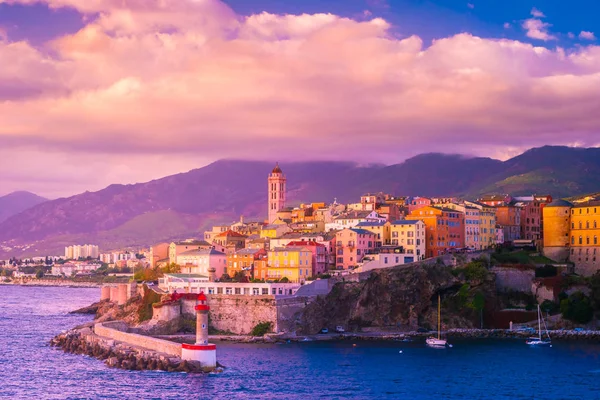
(44, 282)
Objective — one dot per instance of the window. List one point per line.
(587, 240)
(572, 239)
(595, 239)
(580, 240)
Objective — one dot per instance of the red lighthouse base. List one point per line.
(205, 354)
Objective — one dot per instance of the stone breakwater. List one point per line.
(82, 340)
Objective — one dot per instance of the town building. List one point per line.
(444, 229)
(380, 229)
(415, 203)
(199, 261)
(176, 248)
(410, 235)
(487, 224)
(291, 262)
(276, 193)
(508, 217)
(230, 240)
(243, 261)
(557, 230)
(352, 219)
(585, 237)
(189, 283)
(159, 253)
(319, 254)
(77, 252)
(351, 246)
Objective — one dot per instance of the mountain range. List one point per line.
(15, 202)
(183, 205)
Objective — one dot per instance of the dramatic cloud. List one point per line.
(587, 35)
(151, 87)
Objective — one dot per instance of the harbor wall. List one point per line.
(113, 330)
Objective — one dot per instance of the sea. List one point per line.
(475, 369)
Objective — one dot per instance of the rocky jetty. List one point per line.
(82, 340)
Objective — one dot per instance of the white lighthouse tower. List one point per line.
(201, 351)
(277, 183)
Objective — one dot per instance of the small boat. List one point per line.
(438, 342)
(539, 340)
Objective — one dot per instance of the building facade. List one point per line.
(351, 246)
(410, 235)
(291, 262)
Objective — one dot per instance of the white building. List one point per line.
(194, 283)
(200, 260)
(81, 251)
(353, 218)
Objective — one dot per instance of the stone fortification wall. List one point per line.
(166, 311)
(105, 293)
(514, 278)
(114, 330)
(239, 314)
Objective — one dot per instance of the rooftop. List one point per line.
(201, 252)
(371, 223)
(406, 222)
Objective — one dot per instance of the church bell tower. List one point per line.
(277, 183)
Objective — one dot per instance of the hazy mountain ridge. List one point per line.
(226, 189)
(16, 202)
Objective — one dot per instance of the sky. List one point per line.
(95, 92)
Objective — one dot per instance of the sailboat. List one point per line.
(539, 341)
(433, 341)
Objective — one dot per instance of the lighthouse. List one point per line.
(201, 351)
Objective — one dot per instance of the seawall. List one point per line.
(117, 330)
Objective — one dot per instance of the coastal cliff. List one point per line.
(405, 298)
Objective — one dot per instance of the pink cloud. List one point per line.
(537, 29)
(587, 35)
(163, 86)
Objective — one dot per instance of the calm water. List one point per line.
(30, 317)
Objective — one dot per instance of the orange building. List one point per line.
(243, 260)
(508, 217)
(444, 229)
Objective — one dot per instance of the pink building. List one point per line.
(319, 255)
(351, 246)
(418, 202)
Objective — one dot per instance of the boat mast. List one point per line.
(439, 318)
(539, 324)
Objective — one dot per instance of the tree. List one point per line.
(284, 280)
(39, 274)
(240, 276)
(475, 271)
(225, 278)
(171, 268)
(577, 308)
(478, 304)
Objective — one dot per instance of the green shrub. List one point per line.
(475, 271)
(145, 310)
(577, 308)
(546, 271)
(261, 329)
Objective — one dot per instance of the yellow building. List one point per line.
(486, 226)
(293, 262)
(585, 237)
(274, 230)
(557, 230)
(380, 229)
